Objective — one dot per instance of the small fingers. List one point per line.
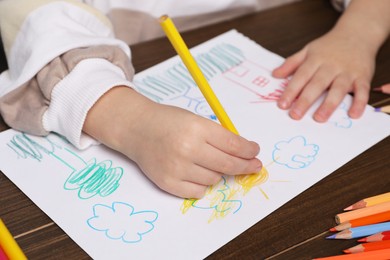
(361, 94)
(301, 77)
(231, 143)
(320, 81)
(290, 65)
(188, 190)
(339, 88)
(219, 161)
(202, 176)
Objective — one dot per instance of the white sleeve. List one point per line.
(46, 32)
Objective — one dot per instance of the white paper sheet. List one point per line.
(108, 207)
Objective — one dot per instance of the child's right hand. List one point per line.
(180, 152)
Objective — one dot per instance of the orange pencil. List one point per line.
(368, 247)
(370, 201)
(381, 236)
(368, 220)
(363, 212)
(384, 89)
(383, 254)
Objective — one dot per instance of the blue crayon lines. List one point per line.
(220, 200)
(120, 221)
(295, 153)
(90, 178)
(176, 86)
(340, 117)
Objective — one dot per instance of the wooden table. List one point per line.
(298, 229)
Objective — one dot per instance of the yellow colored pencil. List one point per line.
(182, 50)
(9, 245)
(370, 201)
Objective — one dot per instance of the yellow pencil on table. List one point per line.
(182, 50)
(370, 201)
(9, 245)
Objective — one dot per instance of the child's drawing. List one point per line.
(295, 153)
(340, 117)
(120, 221)
(248, 181)
(90, 178)
(223, 198)
(220, 200)
(94, 179)
(176, 86)
(256, 79)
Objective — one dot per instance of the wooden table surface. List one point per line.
(297, 230)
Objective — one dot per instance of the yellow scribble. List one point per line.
(249, 181)
(264, 194)
(187, 204)
(224, 203)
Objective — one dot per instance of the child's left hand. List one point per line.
(337, 62)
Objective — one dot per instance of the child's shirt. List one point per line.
(64, 55)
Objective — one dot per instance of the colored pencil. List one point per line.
(383, 254)
(381, 236)
(362, 231)
(370, 201)
(182, 50)
(3, 256)
(368, 247)
(368, 220)
(363, 212)
(384, 89)
(9, 245)
(385, 109)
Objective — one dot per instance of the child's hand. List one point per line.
(336, 62)
(180, 152)
(184, 153)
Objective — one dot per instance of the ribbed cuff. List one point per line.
(74, 96)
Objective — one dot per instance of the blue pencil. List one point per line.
(361, 231)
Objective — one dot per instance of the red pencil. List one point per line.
(368, 247)
(383, 254)
(381, 236)
(384, 89)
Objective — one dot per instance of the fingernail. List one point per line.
(283, 104)
(259, 167)
(296, 113)
(320, 117)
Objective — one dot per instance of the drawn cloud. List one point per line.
(219, 199)
(340, 117)
(121, 221)
(295, 153)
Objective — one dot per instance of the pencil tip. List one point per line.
(362, 240)
(333, 229)
(346, 251)
(377, 109)
(331, 237)
(348, 208)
